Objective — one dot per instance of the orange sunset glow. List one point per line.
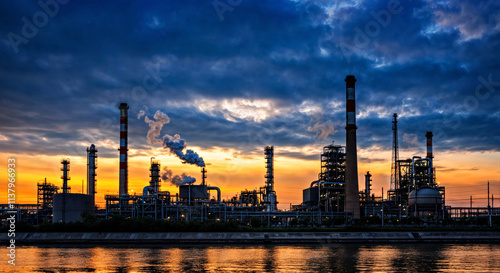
(235, 173)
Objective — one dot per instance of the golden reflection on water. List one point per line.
(299, 258)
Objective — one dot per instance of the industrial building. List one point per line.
(413, 192)
(67, 206)
(328, 192)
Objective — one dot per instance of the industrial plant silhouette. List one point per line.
(333, 196)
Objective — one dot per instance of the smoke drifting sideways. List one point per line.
(321, 126)
(410, 139)
(177, 180)
(175, 144)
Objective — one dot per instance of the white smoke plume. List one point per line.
(141, 114)
(155, 126)
(182, 179)
(411, 139)
(321, 127)
(177, 180)
(175, 144)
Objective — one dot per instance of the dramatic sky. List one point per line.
(236, 75)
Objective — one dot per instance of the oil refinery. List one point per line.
(334, 195)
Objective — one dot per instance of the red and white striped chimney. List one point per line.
(429, 136)
(351, 179)
(351, 102)
(123, 148)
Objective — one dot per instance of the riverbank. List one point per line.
(34, 238)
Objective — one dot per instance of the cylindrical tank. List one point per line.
(426, 198)
(68, 207)
(272, 202)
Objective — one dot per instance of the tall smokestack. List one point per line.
(351, 184)
(91, 173)
(123, 148)
(203, 175)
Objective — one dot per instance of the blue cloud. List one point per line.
(425, 62)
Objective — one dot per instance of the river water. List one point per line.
(275, 258)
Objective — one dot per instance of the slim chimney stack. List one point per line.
(351, 184)
(123, 148)
(91, 173)
(429, 136)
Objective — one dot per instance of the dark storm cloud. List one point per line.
(433, 62)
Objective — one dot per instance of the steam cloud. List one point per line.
(321, 127)
(183, 179)
(141, 114)
(177, 180)
(166, 175)
(175, 144)
(411, 139)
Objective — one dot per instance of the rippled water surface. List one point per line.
(301, 258)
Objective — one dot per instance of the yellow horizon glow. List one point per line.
(232, 173)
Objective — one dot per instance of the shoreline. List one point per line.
(43, 238)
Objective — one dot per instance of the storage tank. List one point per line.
(68, 207)
(310, 196)
(425, 199)
(193, 191)
(272, 202)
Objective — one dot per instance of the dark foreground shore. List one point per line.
(252, 237)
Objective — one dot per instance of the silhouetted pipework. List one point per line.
(123, 148)
(351, 187)
(65, 177)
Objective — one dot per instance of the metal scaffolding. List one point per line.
(45, 193)
(331, 180)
